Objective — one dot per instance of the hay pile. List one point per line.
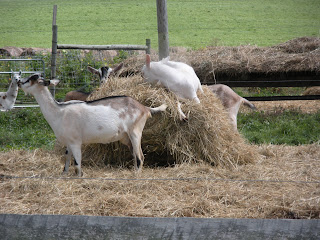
(298, 55)
(217, 62)
(206, 137)
(312, 91)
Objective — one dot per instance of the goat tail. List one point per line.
(200, 88)
(161, 108)
(248, 104)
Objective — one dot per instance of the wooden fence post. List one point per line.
(54, 48)
(163, 35)
(54, 43)
(148, 43)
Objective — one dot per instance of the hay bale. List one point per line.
(239, 61)
(206, 137)
(300, 45)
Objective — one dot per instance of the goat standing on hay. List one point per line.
(103, 73)
(7, 99)
(111, 119)
(177, 77)
(231, 101)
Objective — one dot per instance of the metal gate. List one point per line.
(27, 67)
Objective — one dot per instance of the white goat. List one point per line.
(118, 118)
(177, 77)
(103, 73)
(7, 99)
(231, 101)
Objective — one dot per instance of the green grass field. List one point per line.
(195, 24)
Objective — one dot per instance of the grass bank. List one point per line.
(25, 129)
(288, 127)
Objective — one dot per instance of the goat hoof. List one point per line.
(79, 173)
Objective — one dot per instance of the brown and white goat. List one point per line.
(111, 119)
(103, 73)
(231, 101)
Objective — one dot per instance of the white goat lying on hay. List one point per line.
(103, 73)
(231, 101)
(106, 120)
(7, 99)
(177, 77)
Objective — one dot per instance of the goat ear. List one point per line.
(54, 82)
(117, 68)
(20, 72)
(93, 70)
(148, 60)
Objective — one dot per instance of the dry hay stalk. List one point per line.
(206, 137)
(110, 192)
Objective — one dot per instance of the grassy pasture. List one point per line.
(193, 24)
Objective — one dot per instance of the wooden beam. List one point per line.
(284, 98)
(103, 47)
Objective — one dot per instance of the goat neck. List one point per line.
(49, 107)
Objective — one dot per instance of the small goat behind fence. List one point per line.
(27, 67)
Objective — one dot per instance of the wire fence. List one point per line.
(71, 69)
(163, 179)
